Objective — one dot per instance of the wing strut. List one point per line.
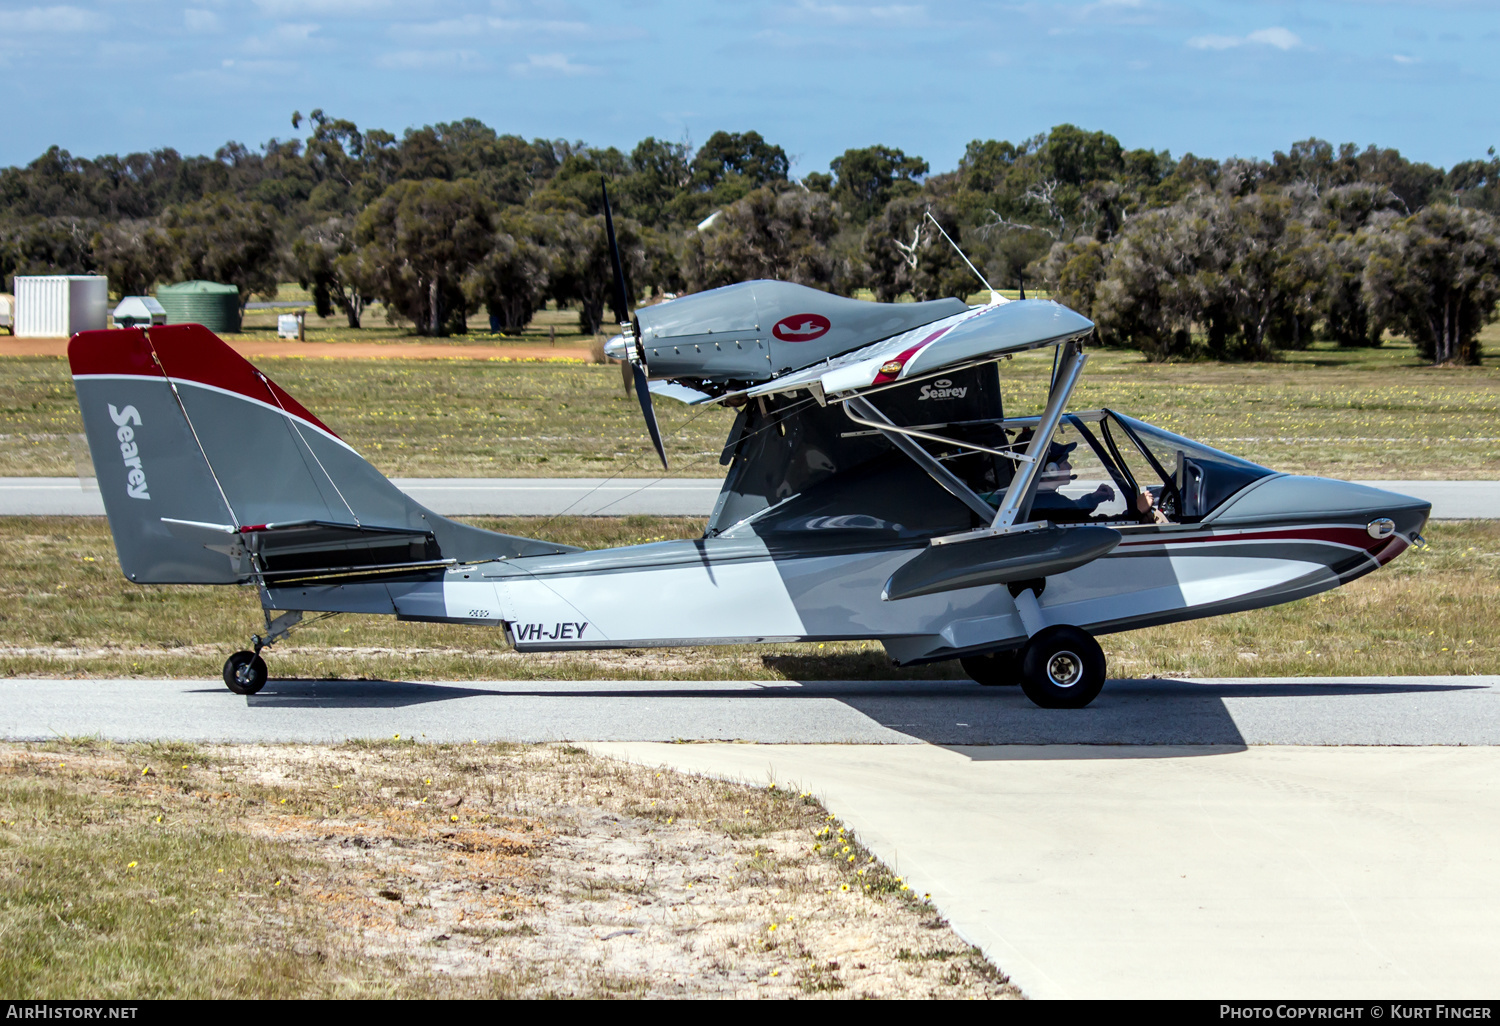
(924, 459)
(1019, 496)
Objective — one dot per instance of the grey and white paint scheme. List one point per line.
(876, 490)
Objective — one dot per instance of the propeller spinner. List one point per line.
(630, 351)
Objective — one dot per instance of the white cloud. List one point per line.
(195, 20)
(468, 25)
(473, 24)
(294, 32)
(863, 14)
(552, 64)
(1276, 36)
(428, 60)
(1401, 58)
(538, 26)
(330, 8)
(284, 36)
(1128, 12)
(258, 67)
(53, 19)
(1282, 39)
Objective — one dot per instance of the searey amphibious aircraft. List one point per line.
(876, 490)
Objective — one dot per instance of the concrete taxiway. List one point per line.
(673, 496)
(1178, 872)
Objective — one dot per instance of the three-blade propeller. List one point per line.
(620, 302)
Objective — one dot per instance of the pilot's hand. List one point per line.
(1096, 498)
(1146, 503)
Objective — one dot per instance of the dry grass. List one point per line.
(1346, 413)
(409, 870)
(548, 326)
(66, 611)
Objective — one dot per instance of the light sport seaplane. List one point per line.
(876, 490)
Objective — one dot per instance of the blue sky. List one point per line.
(1218, 79)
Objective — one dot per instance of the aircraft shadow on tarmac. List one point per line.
(956, 714)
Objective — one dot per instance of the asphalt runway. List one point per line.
(68, 496)
(1236, 713)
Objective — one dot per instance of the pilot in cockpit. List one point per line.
(1057, 473)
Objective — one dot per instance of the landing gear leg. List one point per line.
(245, 672)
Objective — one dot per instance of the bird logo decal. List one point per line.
(801, 327)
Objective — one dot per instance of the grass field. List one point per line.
(1347, 413)
(549, 325)
(66, 611)
(412, 870)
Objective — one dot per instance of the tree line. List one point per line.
(1236, 258)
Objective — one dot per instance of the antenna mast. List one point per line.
(995, 297)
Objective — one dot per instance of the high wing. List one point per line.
(961, 339)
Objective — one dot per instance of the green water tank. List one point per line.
(215, 306)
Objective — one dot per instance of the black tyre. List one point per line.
(1062, 667)
(245, 673)
(997, 669)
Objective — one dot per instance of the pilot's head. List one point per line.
(1059, 458)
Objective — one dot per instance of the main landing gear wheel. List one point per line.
(997, 669)
(1062, 667)
(245, 673)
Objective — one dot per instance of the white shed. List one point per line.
(60, 305)
(139, 311)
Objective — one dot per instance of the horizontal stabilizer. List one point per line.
(1000, 559)
(313, 547)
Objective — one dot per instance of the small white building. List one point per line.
(7, 309)
(139, 312)
(60, 305)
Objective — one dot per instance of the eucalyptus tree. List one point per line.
(1436, 275)
(416, 244)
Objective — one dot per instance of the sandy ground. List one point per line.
(534, 871)
(343, 350)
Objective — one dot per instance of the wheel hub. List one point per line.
(1064, 669)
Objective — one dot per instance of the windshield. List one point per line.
(1197, 478)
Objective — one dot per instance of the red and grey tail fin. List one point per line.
(212, 474)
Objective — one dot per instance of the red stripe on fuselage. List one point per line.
(188, 352)
(1353, 537)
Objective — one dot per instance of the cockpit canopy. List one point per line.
(1103, 466)
(808, 475)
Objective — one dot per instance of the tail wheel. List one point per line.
(1062, 667)
(997, 669)
(245, 673)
